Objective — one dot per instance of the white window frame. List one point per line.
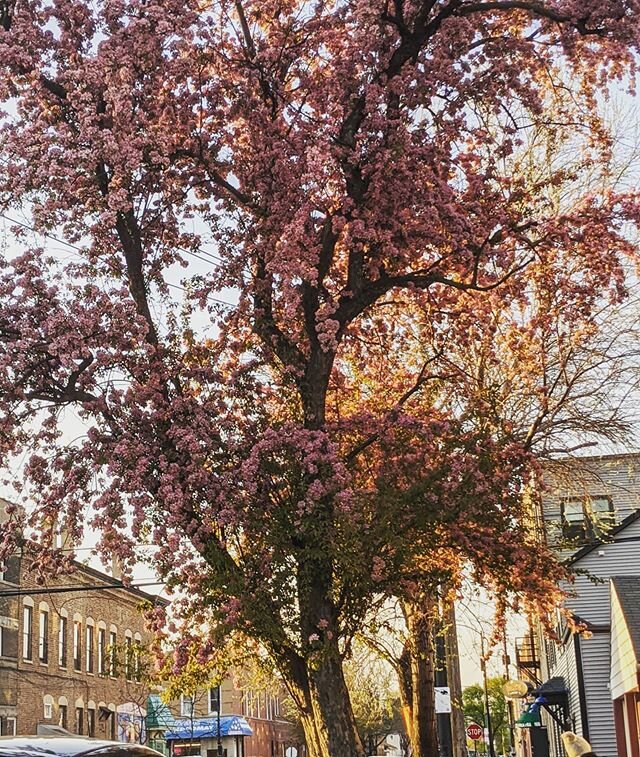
(211, 710)
(27, 609)
(102, 648)
(113, 651)
(12, 726)
(63, 640)
(89, 644)
(128, 655)
(43, 634)
(187, 712)
(77, 644)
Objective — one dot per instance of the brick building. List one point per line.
(194, 730)
(71, 653)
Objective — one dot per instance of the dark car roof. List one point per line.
(68, 746)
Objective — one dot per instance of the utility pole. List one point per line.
(483, 665)
(507, 662)
(442, 718)
(458, 733)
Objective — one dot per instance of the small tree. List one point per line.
(473, 704)
(374, 696)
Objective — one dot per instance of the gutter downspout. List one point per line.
(581, 692)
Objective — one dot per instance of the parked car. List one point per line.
(70, 746)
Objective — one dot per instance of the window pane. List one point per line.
(113, 653)
(43, 637)
(573, 511)
(27, 621)
(600, 512)
(89, 648)
(62, 643)
(79, 720)
(77, 645)
(128, 658)
(186, 702)
(214, 699)
(102, 643)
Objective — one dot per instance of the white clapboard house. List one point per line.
(589, 512)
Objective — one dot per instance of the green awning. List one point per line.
(159, 716)
(529, 718)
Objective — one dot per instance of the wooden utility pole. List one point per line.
(458, 734)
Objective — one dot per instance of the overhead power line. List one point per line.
(68, 589)
(78, 249)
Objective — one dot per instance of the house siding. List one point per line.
(589, 596)
(596, 666)
(623, 659)
(564, 667)
(617, 477)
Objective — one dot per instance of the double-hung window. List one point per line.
(27, 632)
(586, 519)
(62, 642)
(89, 648)
(102, 650)
(77, 645)
(215, 700)
(43, 637)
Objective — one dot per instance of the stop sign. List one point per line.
(475, 732)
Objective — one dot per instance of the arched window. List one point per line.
(128, 655)
(47, 701)
(63, 712)
(113, 651)
(27, 628)
(63, 635)
(80, 716)
(102, 648)
(77, 642)
(89, 644)
(43, 633)
(91, 718)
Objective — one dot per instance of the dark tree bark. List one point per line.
(417, 677)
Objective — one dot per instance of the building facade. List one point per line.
(589, 514)
(251, 723)
(72, 653)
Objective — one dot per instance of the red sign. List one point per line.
(475, 732)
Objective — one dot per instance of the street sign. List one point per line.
(475, 732)
(515, 689)
(443, 700)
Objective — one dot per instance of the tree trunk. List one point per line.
(458, 734)
(423, 733)
(406, 690)
(332, 709)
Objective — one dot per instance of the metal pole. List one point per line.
(458, 734)
(443, 719)
(512, 728)
(220, 754)
(483, 665)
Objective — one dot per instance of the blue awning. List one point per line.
(207, 728)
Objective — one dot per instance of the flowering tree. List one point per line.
(355, 162)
